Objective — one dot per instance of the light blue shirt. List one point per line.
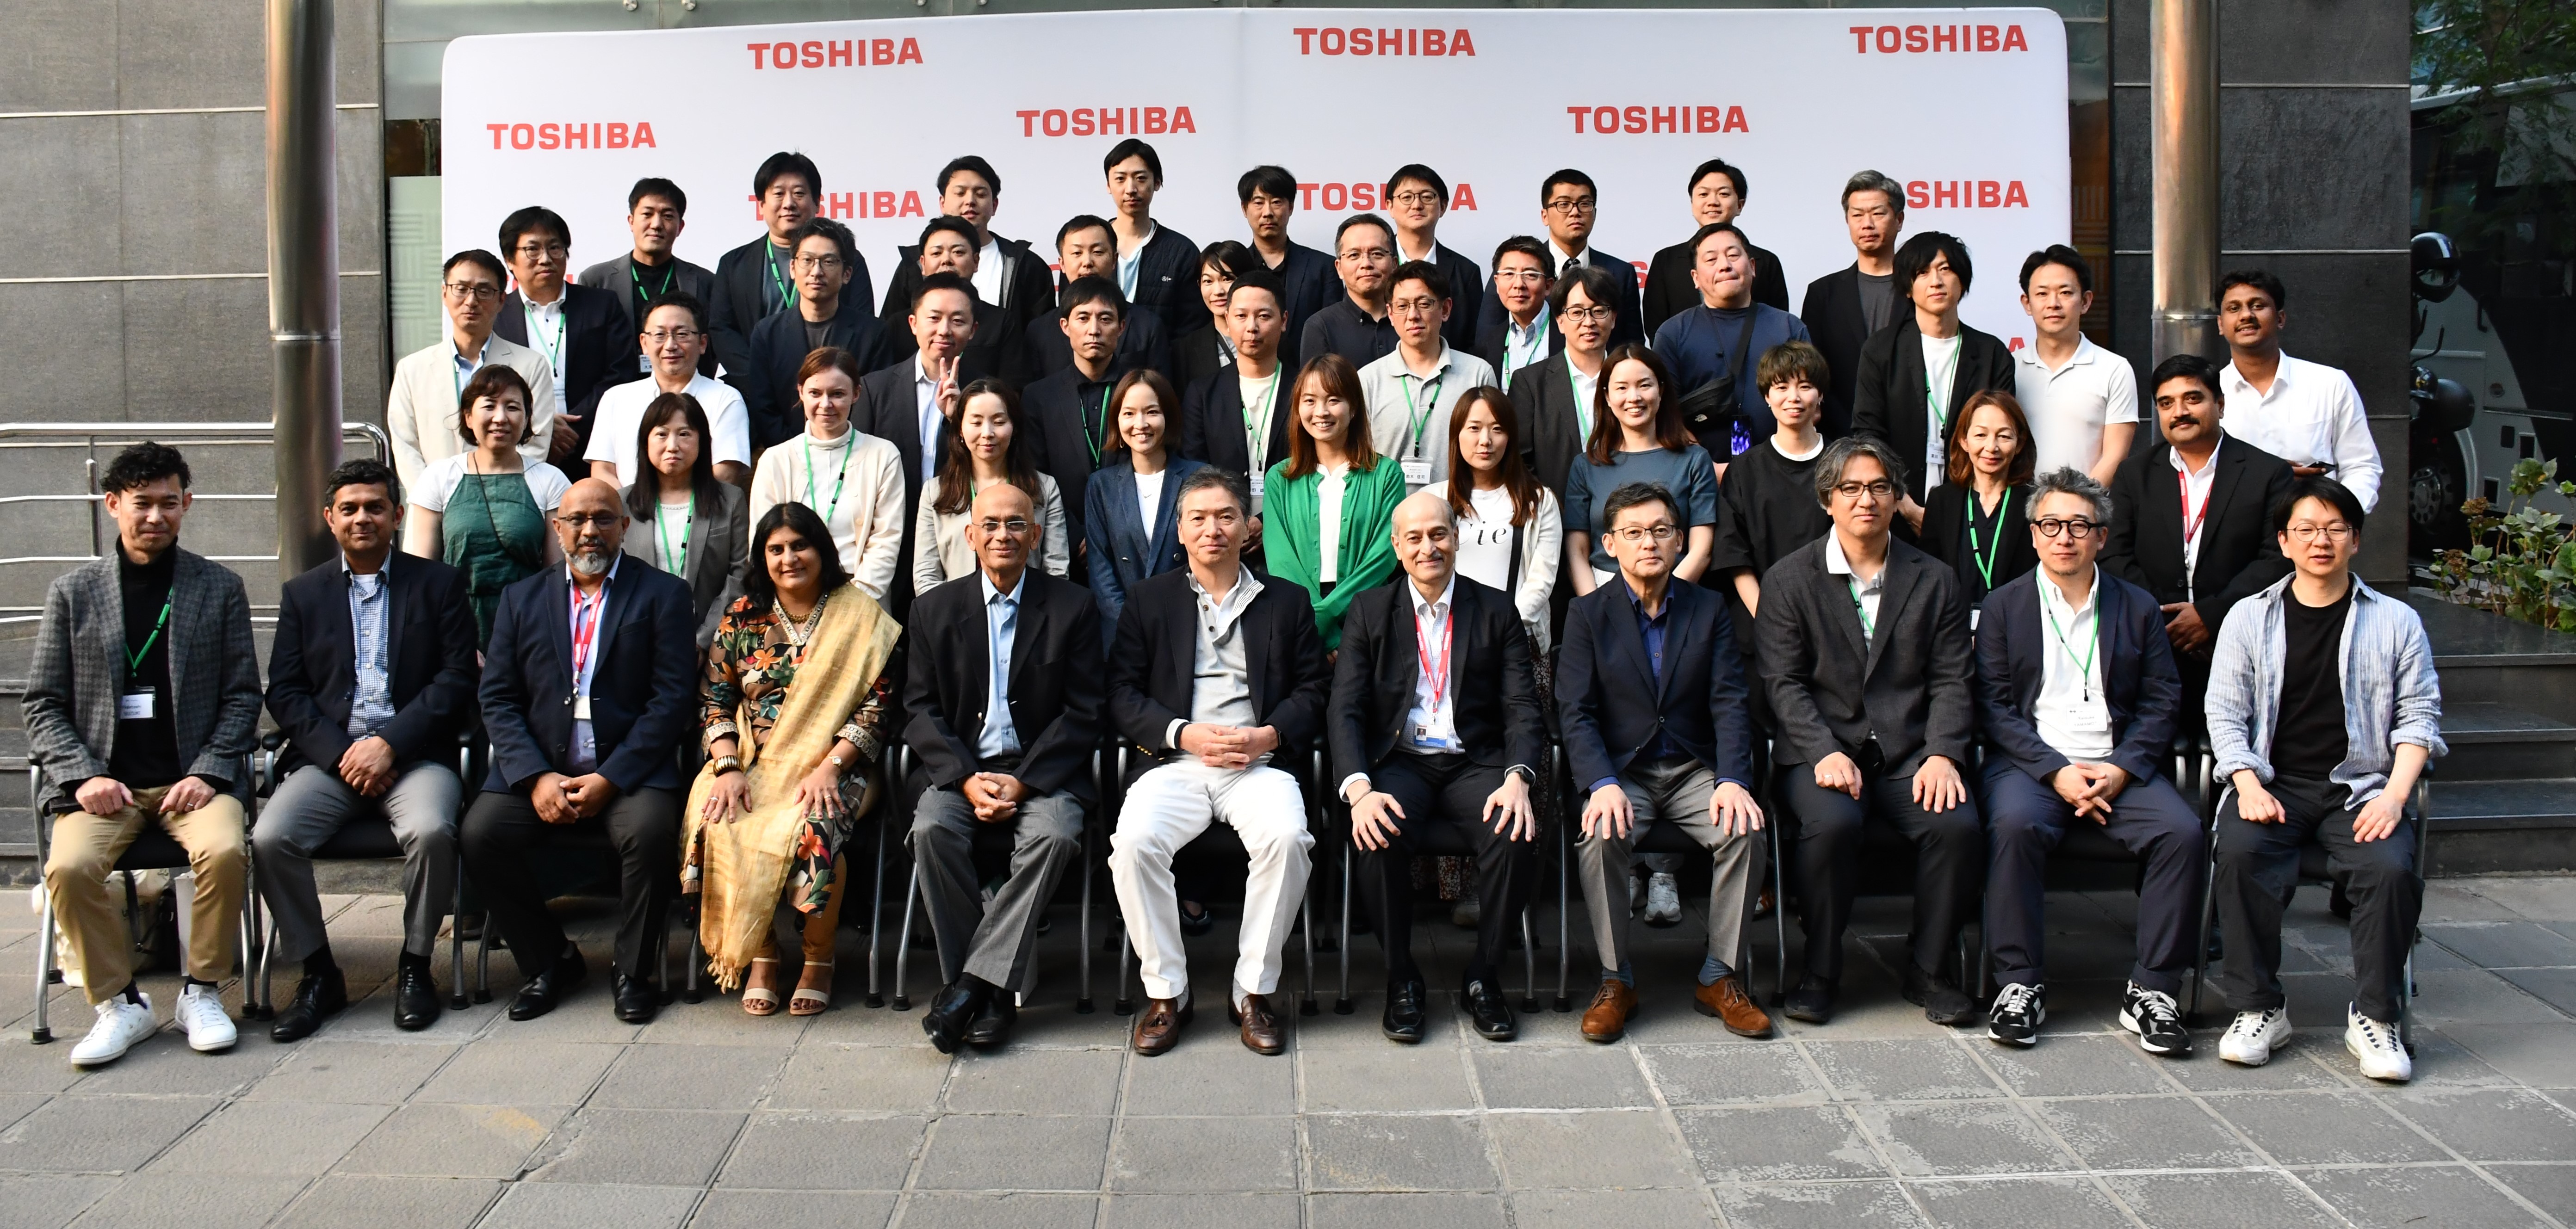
(2391, 692)
(1132, 263)
(372, 705)
(585, 663)
(1001, 628)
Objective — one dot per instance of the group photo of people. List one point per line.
(1436, 573)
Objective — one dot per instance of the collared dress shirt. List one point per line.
(2312, 416)
(1001, 627)
(2073, 712)
(372, 706)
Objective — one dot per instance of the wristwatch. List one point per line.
(1524, 771)
(838, 764)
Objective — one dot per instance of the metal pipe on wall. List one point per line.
(303, 275)
(2183, 54)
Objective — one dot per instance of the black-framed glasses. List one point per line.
(473, 290)
(592, 520)
(1588, 315)
(1639, 533)
(1572, 205)
(1880, 489)
(2076, 528)
(2339, 531)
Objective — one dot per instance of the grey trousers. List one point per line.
(993, 944)
(1674, 792)
(312, 804)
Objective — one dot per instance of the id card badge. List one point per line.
(1417, 473)
(581, 708)
(1256, 493)
(136, 705)
(1973, 613)
(1424, 738)
(2090, 719)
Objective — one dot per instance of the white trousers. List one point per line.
(1168, 807)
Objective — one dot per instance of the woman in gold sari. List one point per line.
(795, 706)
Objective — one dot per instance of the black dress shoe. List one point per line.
(317, 998)
(1403, 1020)
(1490, 1012)
(1812, 1002)
(546, 989)
(951, 1011)
(415, 996)
(636, 998)
(1942, 1002)
(993, 1024)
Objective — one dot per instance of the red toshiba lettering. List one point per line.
(881, 51)
(1463, 198)
(1181, 121)
(1305, 39)
(1331, 41)
(1337, 196)
(644, 137)
(2014, 196)
(1945, 38)
(840, 54)
(1860, 39)
(881, 204)
(1605, 119)
(782, 55)
(576, 136)
(1363, 196)
(1305, 194)
(497, 130)
(1579, 113)
(1028, 123)
(1989, 39)
(1917, 194)
(1157, 121)
(1889, 39)
(1916, 40)
(812, 53)
(839, 204)
(1945, 193)
(1667, 119)
(911, 205)
(2013, 41)
(523, 136)
(1460, 44)
(1735, 120)
(1636, 119)
(1055, 123)
(1435, 42)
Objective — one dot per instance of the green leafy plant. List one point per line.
(2521, 562)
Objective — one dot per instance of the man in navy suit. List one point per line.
(589, 685)
(2077, 690)
(1686, 758)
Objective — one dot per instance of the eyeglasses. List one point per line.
(1639, 533)
(815, 264)
(1016, 527)
(2078, 530)
(664, 337)
(1423, 306)
(1416, 198)
(1879, 489)
(598, 520)
(531, 251)
(1573, 205)
(1519, 275)
(2336, 532)
(1588, 315)
(473, 290)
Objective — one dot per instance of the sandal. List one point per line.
(812, 1000)
(759, 1000)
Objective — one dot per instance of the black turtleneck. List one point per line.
(146, 753)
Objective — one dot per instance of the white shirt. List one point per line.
(989, 271)
(1260, 408)
(1864, 594)
(1432, 724)
(2195, 509)
(1485, 538)
(546, 336)
(2312, 416)
(869, 518)
(1149, 497)
(438, 483)
(2073, 712)
(1329, 483)
(1220, 676)
(1408, 414)
(2068, 407)
(1523, 346)
(1001, 628)
(1940, 375)
(1584, 392)
(621, 411)
(926, 416)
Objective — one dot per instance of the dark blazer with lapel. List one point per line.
(1468, 292)
(1603, 675)
(885, 409)
(1212, 420)
(643, 693)
(778, 348)
(1124, 550)
(736, 306)
(429, 643)
(1028, 289)
(1492, 336)
(1887, 393)
(997, 349)
(2239, 554)
(1313, 284)
(1669, 292)
(1835, 325)
(1495, 689)
(1157, 646)
(1910, 685)
(1543, 398)
(1167, 280)
(1944, 535)
(2139, 680)
(600, 348)
(1626, 301)
(1047, 351)
(1188, 360)
(719, 550)
(1054, 407)
(1054, 689)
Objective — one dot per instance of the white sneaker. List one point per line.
(1663, 901)
(2382, 1055)
(120, 1025)
(202, 1014)
(2249, 1041)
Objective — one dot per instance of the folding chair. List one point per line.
(997, 836)
(1448, 840)
(1220, 840)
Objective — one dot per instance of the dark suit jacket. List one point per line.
(1551, 423)
(2139, 680)
(1910, 685)
(1945, 534)
(1054, 408)
(1188, 360)
(737, 305)
(1630, 325)
(1167, 280)
(886, 410)
(1669, 292)
(1028, 289)
(1887, 391)
(1492, 336)
(1054, 688)
(1158, 634)
(599, 347)
(1212, 420)
(1603, 675)
(1045, 350)
(429, 643)
(778, 348)
(1313, 284)
(617, 277)
(643, 693)
(1123, 548)
(1468, 292)
(2239, 554)
(1493, 687)
(1835, 325)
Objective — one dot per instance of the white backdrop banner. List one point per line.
(1966, 107)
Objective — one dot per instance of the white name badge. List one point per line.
(2087, 719)
(581, 708)
(1417, 473)
(135, 705)
(1973, 612)
(1424, 738)
(1256, 491)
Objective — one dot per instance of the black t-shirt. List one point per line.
(147, 750)
(649, 282)
(2310, 740)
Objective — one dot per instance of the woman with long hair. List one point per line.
(1509, 527)
(686, 522)
(1978, 519)
(852, 480)
(1129, 510)
(1326, 510)
(1637, 436)
(794, 708)
(982, 450)
(484, 510)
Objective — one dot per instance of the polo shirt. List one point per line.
(2068, 407)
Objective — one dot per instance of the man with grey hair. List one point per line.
(2078, 691)
(1843, 308)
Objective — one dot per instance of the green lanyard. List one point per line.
(2086, 665)
(1868, 625)
(1093, 436)
(1257, 435)
(674, 560)
(1986, 557)
(1538, 350)
(134, 657)
(667, 277)
(1430, 402)
(786, 289)
(1582, 412)
(554, 353)
(844, 476)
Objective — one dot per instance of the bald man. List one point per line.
(1003, 708)
(589, 685)
(1435, 717)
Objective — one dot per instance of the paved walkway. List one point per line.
(708, 1118)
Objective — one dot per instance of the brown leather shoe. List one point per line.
(1261, 1033)
(1727, 1001)
(1158, 1027)
(1606, 1020)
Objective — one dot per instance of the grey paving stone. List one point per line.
(2013, 1203)
(2502, 945)
(553, 1205)
(278, 1138)
(2492, 1125)
(2556, 987)
(2079, 1065)
(327, 1069)
(1824, 1205)
(14, 1106)
(45, 1201)
(98, 1134)
(2144, 1133)
(2440, 1062)
(1901, 1070)
(1123, 1211)
(163, 1065)
(1018, 1080)
(2269, 1199)
(731, 1209)
(939, 1210)
(213, 1201)
(846, 1077)
(818, 1151)
(1370, 1152)
(659, 1147)
(506, 1070)
(1403, 1211)
(2408, 1196)
(1596, 1209)
(2541, 1055)
(1595, 1077)
(441, 1140)
(2550, 899)
(1214, 1155)
(2324, 1129)
(1771, 1071)
(342, 1200)
(2290, 1068)
(1598, 1148)
(1926, 1139)
(1779, 1144)
(1215, 1081)
(1382, 1077)
(719, 1020)
(973, 1152)
(690, 1077)
(35, 1068)
(2551, 1187)
(2478, 997)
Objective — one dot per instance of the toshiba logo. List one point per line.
(837, 53)
(572, 136)
(1892, 40)
(1364, 40)
(1106, 121)
(1966, 194)
(1344, 197)
(1607, 120)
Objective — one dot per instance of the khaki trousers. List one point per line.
(85, 849)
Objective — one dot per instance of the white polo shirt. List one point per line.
(2312, 416)
(621, 411)
(2068, 407)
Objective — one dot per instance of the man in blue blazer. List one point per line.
(589, 685)
(2077, 690)
(1683, 757)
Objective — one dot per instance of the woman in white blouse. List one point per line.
(980, 453)
(851, 480)
(1510, 530)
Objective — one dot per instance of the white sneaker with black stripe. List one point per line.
(2249, 1041)
(2156, 1019)
(2018, 1012)
(2377, 1048)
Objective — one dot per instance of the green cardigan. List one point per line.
(1292, 548)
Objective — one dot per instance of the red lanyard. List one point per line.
(585, 626)
(2191, 521)
(1438, 670)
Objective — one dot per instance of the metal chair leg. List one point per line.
(1123, 1005)
(1529, 963)
(1779, 917)
(456, 998)
(46, 975)
(903, 944)
(1564, 917)
(1083, 1005)
(876, 916)
(483, 963)
(1342, 1005)
(1306, 913)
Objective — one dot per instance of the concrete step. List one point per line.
(2497, 742)
(2485, 827)
(2490, 659)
